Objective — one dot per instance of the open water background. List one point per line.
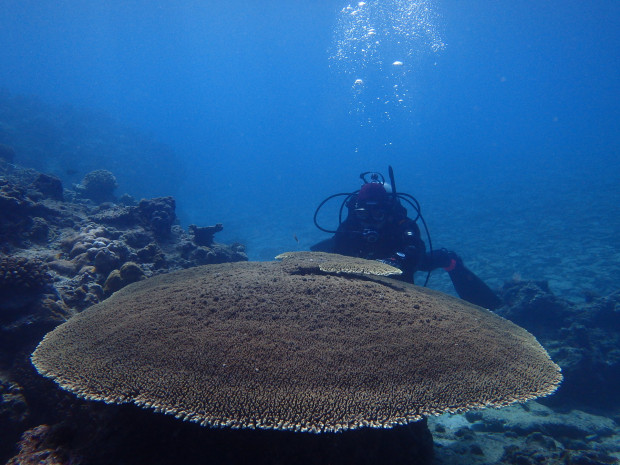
(250, 113)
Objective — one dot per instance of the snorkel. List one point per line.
(392, 182)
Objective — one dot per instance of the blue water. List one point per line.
(507, 132)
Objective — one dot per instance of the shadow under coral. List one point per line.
(94, 433)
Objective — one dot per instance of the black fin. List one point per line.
(471, 288)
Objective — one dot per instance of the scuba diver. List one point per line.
(377, 228)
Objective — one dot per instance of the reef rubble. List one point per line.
(525, 434)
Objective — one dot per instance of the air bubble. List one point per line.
(408, 29)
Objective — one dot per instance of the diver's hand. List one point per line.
(412, 256)
(454, 262)
(396, 261)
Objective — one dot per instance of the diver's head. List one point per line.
(372, 204)
(373, 192)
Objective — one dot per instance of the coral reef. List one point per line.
(31, 205)
(157, 215)
(154, 215)
(22, 276)
(82, 245)
(204, 235)
(58, 255)
(584, 339)
(27, 299)
(69, 254)
(98, 186)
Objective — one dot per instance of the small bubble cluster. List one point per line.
(377, 43)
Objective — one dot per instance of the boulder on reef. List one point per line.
(158, 215)
(582, 338)
(532, 305)
(98, 186)
(49, 186)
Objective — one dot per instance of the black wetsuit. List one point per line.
(397, 240)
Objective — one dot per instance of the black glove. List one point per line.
(446, 259)
(454, 262)
(396, 261)
(408, 259)
(411, 257)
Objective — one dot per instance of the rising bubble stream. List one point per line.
(378, 44)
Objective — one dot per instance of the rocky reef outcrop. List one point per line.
(583, 338)
(525, 434)
(61, 251)
(80, 243)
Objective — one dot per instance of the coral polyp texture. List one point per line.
(263, 345)
(20, 275)
(98, 185)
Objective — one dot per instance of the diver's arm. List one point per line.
(467, 285)
(441, 258)
(412, 247)
(346, 239)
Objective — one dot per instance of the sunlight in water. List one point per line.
(378, 44)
